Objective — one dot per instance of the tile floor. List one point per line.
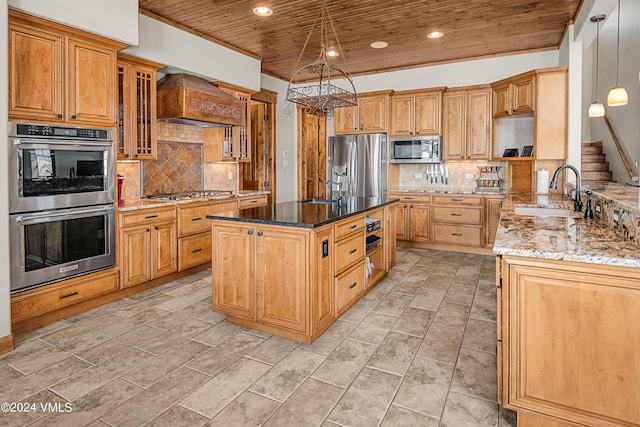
(418, 350)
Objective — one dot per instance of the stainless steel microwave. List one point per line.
(416, 149)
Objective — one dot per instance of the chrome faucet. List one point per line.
(339, 183)
(577, 203)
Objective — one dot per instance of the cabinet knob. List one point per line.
(73, 117)
(259, 233)
(156, 227)
(417, 133)
(250, 232)
(506, 111)
(515, 109)
(126, 155)
(148, 230)
(59, 116)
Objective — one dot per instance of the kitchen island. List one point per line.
(293, 268)
(568, 295)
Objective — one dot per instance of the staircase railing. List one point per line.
(621, 152)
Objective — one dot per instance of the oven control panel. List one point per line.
(62, 132)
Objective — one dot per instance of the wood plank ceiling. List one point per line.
(473, 29)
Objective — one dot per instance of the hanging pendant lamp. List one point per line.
(596, 109)
(618, 95)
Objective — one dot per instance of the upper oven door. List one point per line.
(55, 173)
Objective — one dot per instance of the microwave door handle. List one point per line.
(49, 214)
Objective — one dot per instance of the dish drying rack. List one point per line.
(489, 178)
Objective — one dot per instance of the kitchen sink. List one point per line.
(542, 211)
(320, 201)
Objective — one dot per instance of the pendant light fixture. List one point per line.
(617, 95)
(596, 109)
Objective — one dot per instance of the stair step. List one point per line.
(592, 144)
(593, 158)
(591, 149)
(597, 176)
(595, 166)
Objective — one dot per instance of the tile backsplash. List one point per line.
(458, 172)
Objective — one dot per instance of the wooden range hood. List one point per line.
(191, 100)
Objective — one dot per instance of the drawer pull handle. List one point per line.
(196, 250)
(456, 214)
(456, 200)
(353, 251)
(353, 226)
(150, 216)
(408, 198)
(456, 234)
(72, 294)
(254, 201)
(196, 219)
(354, 285)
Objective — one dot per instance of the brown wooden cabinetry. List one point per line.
(370, 115)
(457, 220)
(231, 143)
(514, 96)
(413, 216)
(137, 108)
(416, 112)
(245, 202)
(148, 245)
(58, 74)
(567, 344)
(492, 208)
(466, 123)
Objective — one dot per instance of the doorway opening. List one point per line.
(312, 155)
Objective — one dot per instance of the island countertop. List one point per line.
(304, 214)
(570, 238)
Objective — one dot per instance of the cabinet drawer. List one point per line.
(194, 250)
(252, 202)
(457, 215)
(346, 227)
(51, 297)
(349, 251)
(410, 197)
(193, 219)
(457, 235)
(349, 286)
(145, 216)
(457, 200)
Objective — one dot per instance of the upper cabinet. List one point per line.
(513, 96)
(59, 74)
(416, 112)
(370, 115)
(232, 143)
(466, 123)
(137, 108)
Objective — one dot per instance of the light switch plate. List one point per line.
(468, 175)
(418, 175)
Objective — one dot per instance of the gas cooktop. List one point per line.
(188, 195)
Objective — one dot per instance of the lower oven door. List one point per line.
(50, 246)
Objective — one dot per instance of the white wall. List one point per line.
(5, 306)
(171, 46)
(571, 57)
(116, 19)
(286, 140)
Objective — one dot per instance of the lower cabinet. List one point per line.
(492, 208)
(568, 341)
(349, 286)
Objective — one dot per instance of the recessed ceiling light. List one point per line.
(332, 53)
(435, 35)
(262, 11)
(379, 45)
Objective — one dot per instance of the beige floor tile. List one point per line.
(437, 281)
(359, 311)
(343, 365)
(174, 337)
(248, 409)
(150, 403)
(332, 337)
(393, 304)
(140, 306)
(284, 378)
(467, 411)
(425, 387)
(441, 344)
(211, 316)
(175, 319)
(401, 417)
(111, 348)
(486, 290)
(395, 353)
(155, 369)
(414, 321)
(217, 334)
(480, 335)
(37, 407)
(217, 359)
(90, 379)
(176, 303)
(382, 288)
(8, 374)
(409, 284)
(177, 416)
(24, 349)
(93, 405)
(43, 330)
(460, 294)
(272, 350)
(476, 374)
(373, 328)
(452, 315)
(189, 288)
(367, 399)
(308, 406)
(445, 268)
(427, 299)
(218, 392)
(484, 308)
(127, 324)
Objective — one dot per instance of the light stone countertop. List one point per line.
(133, 205)
(561, 238)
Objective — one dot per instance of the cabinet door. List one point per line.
(492, 219)
(322, 307)
(91, 83)
(402, 218)
(233, 279)
(373, 114)
(523, 93)
(478, 121)
(164, 249)
(282, 280)
(36, 76)
(427, 114)
(144, 113)
(402, 115)
(390, 236)
(244, 132)
(502, 101)
(135, 255)
(453, 125)
(419, 223)
(123, 117)
(345, 120)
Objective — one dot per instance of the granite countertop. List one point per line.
(626, 196)
(306, 215)
(249, 193)
(452, 190)
(156, 203)
(560, 238)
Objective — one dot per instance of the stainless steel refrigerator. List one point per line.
(359, 163)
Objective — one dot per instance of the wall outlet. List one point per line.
(418, 175)
(285, 163)
(468, 176)
(616, 216)
(230, 176)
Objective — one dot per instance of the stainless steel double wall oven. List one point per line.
(61, 193)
